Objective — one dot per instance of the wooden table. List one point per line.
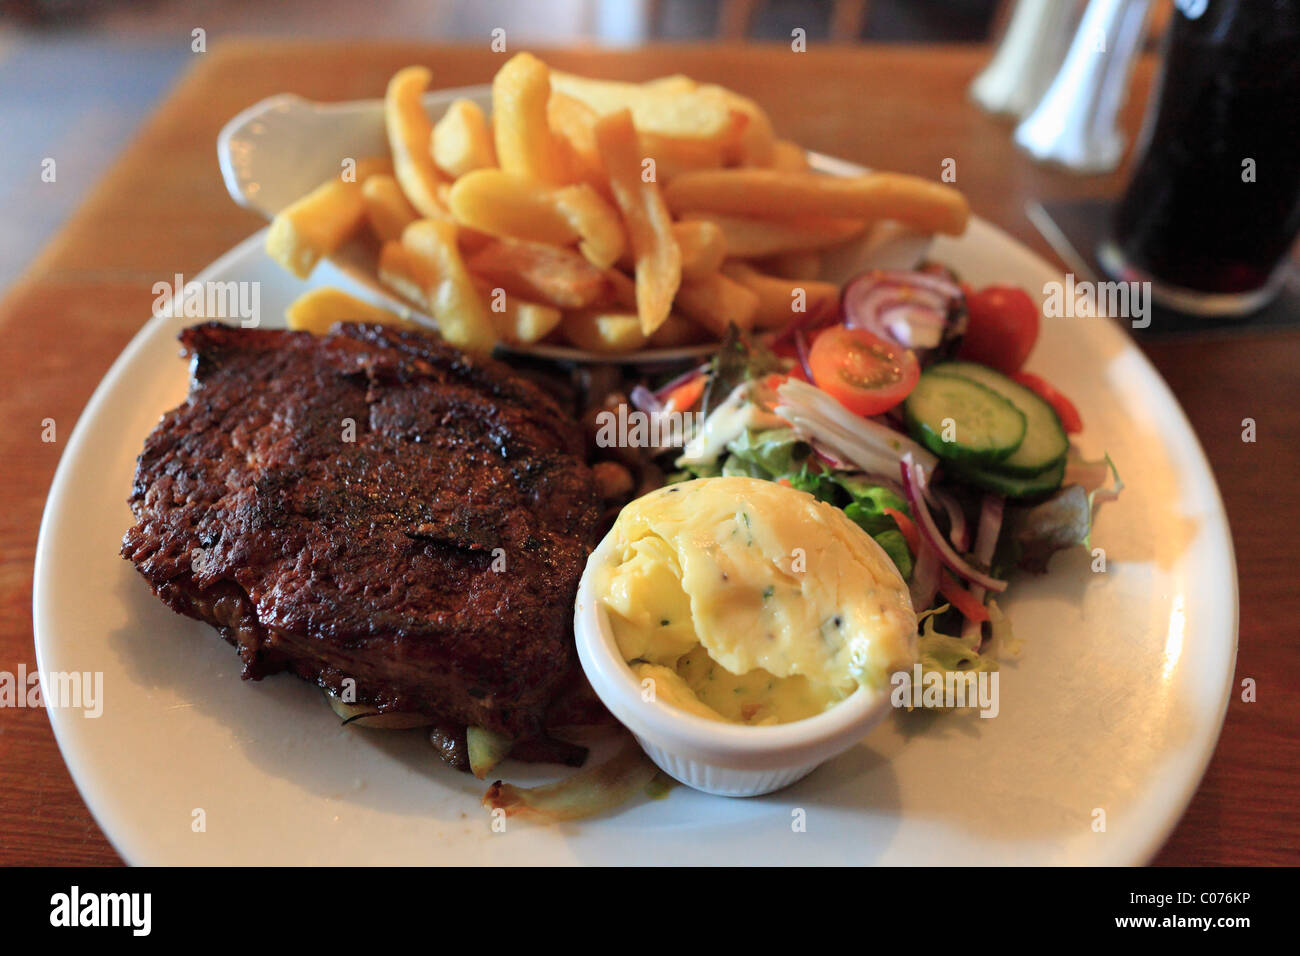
(163, 210)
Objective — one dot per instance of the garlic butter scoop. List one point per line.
(746, 601)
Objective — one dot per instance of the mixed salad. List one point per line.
(908, 407)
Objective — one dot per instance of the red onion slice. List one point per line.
(867, 295)
(914, 483)
(940, 285)
(912, 326)
(986, 542)
(958, 531)
(801, 347)
(827, 457)
(990, 528)
(909, 308)
(925, 578)
(644, 400)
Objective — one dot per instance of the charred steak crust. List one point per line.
(374, 505)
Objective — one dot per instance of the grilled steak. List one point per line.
(371, 505)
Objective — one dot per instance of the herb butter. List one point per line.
(746, 601)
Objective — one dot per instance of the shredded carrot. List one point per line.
(962, 599)
(684, 396)
(905, 525)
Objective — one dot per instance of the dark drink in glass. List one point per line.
(1214, 204)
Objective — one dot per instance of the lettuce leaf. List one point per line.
(868, 506)
(817, 481)
(942, 652)
(893, 544)
(738, 359)
(1032, 534)
(772, 454)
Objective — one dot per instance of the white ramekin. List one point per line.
(732, 760)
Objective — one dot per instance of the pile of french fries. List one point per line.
(611, 216)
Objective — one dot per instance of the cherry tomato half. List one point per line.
(1065, 410)
(863, 372)
(1002, 327)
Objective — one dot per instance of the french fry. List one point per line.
(655, 109)
(649, 228)
(703, 247)
(675, 83)
(747, 238)
(603, 238)
(409, 132)
(717, 302)
(318, 223)
(407, 274)
(410, 276)
(470, 239)
(601, 330)
(541, 273)
(789, 157)
(573, 129)
(755, 143)
(806, 264)
(518, 321)
(502, 204)
(781, 300)
(524, 144)
(318, 310)
(505, 205)
(676, 332)
(530, 226)
(622, 289)
(674, 155)
(386, 207)
(454, 302)
(462, 141)
(770, 193)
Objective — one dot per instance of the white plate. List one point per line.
(284, 146)
(1113, 709)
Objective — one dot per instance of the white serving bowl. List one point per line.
(732, 760)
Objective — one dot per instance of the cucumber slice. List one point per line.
(961, 420)
(1044, 443)
(1013, 486)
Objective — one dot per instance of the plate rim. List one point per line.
(63, 474)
